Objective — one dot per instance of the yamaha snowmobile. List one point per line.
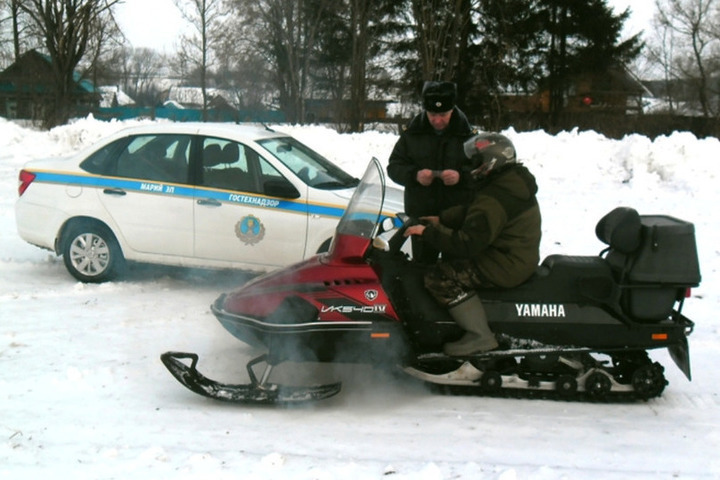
(580, 328)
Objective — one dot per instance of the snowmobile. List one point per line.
(579, 329)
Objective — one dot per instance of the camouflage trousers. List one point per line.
(453, 281)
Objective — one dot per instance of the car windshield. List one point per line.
(363, 213)
(308, 165)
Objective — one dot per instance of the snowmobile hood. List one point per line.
(262, 296)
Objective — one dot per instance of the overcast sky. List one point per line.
(158, 23)
(642, 12)
(150, 23)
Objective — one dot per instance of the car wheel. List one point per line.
(91, 253)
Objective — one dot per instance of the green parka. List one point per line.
(499, 230)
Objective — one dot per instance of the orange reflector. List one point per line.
(380, 335)
(659, 336)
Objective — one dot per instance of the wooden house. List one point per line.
(26, 88)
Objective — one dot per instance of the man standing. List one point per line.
(429, 161)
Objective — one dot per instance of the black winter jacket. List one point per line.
(499, 230)
(419, 147)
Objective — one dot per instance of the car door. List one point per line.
(246, 211)
(148, 196)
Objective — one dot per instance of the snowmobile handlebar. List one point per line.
(398, 239)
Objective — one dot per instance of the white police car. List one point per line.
(186, 194)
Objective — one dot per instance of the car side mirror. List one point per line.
(387, 224)
(280, 188)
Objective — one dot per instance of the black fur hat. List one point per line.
(439, 96)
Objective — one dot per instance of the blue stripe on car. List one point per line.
(184, 191)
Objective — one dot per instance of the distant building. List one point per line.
(614, 91)
(26, 88)
(181, 104)
(682, 96)
(191, 97)
(322, 110)
(114, 96)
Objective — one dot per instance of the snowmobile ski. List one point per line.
(258, 391)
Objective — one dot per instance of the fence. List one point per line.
(189, 114)
(611, 125)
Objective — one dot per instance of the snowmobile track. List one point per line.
(571, 375)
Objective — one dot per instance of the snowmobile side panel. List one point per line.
(294, 333)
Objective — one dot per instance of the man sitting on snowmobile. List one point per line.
(493, 241)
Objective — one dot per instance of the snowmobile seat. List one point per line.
(653, 259)
(563, 279)
(584, 277)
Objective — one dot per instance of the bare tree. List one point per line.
(206, 16)
(360, 12)
(13, 29)
(241, 69)
(14, 14)
(5, 20)
(105, 39)
(368, 21)
(691, 26)
(136, 69)
(66, 27)
(441, 34)
(659, 54)
(284, 33)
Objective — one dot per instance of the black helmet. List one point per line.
(488, 151)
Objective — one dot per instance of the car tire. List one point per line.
(91, 253)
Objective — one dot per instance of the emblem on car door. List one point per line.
(250, 230)
(371, 294)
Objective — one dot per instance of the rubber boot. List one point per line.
(478, 338)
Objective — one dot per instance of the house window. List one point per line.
(10, 109)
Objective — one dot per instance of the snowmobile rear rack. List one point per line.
(257, 391)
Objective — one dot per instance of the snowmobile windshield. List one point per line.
(310, 167)
(363, 213)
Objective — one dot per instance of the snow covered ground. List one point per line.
(83, 394)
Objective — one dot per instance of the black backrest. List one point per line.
(212, 156)
(230, 153)
(620, 230)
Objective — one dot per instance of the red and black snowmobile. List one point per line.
(580, 328)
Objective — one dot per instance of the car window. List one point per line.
(267, 171)
(225, 165)
(161, 158)
(312, 168)
(102, 162)
(233, 166)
